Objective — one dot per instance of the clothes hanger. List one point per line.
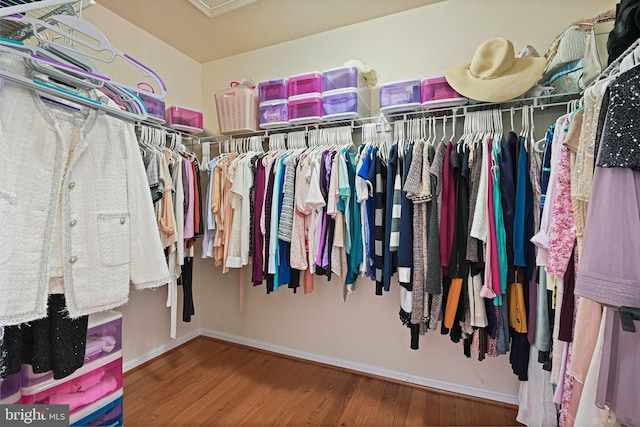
(29, 6)
(93, 41)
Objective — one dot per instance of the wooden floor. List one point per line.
(212, 383)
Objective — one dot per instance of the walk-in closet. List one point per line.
(322, 213)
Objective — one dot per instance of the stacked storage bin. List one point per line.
(400, 97)
(305, 98)
(93, 392)
(10, 390)
(345, 94)
(274, 105)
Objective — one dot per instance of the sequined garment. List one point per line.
(620, 145)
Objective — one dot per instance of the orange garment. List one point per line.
(217, 202)
(452, 302)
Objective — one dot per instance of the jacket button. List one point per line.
(123, 220)
(73, 260)
(72, 185)
(73, 223)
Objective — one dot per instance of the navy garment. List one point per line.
(508, 193)
(523, 224)
(390, 258)
(546, 166)
(267, 234)
(405, 248)
(284, 248)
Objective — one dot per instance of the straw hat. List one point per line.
(495, 74)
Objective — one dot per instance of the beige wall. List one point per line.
(365, 330)
(145, 317)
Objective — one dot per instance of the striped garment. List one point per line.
(390, 257)
(379, 219)
(285, 227)
(396, 210)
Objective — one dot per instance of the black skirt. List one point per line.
(55, 343)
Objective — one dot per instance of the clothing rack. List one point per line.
(383, 121)
(38, 10)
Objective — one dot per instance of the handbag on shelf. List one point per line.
(596, 55)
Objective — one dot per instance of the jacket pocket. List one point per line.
(7, 215)
(113, 238)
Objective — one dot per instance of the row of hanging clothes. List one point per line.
(449, 220)
(173, 175)
(584, 359)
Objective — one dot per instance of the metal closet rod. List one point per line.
(541, 103)
(190, 139)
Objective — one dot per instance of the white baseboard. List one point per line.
(395, 375)
(130, 364)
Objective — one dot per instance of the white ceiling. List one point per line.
(252, 26)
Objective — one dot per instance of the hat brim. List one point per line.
(521, 77)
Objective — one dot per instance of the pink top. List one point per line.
(562, 232)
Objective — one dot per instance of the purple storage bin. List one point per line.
(304, 84)
(155, 107)
(273, 90)
(400, 96)
(274, 114)
(305, 109)
(341, 78)
(343, 104)
(104, 338)
(436, 92)
(10, 390)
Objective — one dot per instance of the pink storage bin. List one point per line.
(304, 84)
(273, 90)
(80, 389)
(305, 109)
(237, 109)
(104, 338)
(341, 78)
(274, 114)
(185, 120)
(10, 390)
(343, 104)
(436, 92)
(397, 97)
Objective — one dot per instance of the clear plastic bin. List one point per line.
(305, 109)
(82, 388)
(403, 96)
(155, 107)
(343, 104)
(274, 114)
(10, 389)
(237, 109)
(273, 90)
(104, 337)
(185, 120)
(342, 78)
(305, 84)
(436, 92)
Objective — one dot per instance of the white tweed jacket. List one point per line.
(74, 203)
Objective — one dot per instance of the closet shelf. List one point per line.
(542, 103)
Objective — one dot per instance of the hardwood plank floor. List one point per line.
(212, 383)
